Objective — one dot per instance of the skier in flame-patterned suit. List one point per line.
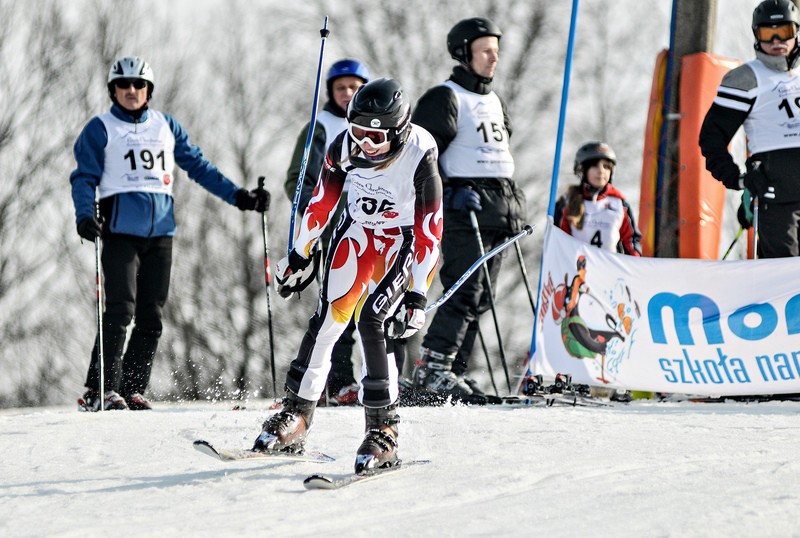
(381, 261)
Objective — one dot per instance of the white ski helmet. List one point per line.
(131, 67)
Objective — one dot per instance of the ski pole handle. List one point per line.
(526, 230)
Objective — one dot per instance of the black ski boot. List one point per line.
(379, 447)
(434, 375)
(286, 430)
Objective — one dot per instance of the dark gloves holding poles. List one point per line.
(90, 228)
(294, 273)
(255, 200)
(462, 199)
(409, 317)
(745, 212)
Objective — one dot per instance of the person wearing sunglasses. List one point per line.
(382, 258)
(343, 79)
(763, 95)
(472, 128)
(126, 157)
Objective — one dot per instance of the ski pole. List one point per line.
(296, 200)
(525, 277)
(488, 361)
(735, 239)
(755, 227)
(474, 220)
(98, 279)
(268, 282)
(526, 230)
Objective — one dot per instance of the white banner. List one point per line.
(667, 325)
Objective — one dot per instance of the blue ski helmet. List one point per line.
(345, 68)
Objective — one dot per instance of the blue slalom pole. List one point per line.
(557, 159)
(323, 33)
(661, 163)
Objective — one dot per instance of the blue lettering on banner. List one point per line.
(682, 306)
(784, 368)
(712, 371)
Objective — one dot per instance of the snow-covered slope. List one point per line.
(645, 469)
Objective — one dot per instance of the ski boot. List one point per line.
(111, 401)
(379, 447)
(433, 374)
(286, 430)
(137, 402)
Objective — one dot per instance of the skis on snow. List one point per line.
(239, 454)
(561, 393)
(318, 481)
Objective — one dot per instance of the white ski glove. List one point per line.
(409, 317)
(294, 273)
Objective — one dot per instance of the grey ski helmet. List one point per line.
(461, 36)
(381, 105)
(131, 67)
(591, 151)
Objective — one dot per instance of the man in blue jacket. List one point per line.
(128, 155)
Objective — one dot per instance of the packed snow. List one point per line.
(643, 469)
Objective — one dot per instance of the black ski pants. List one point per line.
(136, 273)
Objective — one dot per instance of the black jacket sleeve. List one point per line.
(437, 112)
(719, 126)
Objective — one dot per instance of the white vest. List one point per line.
(138, 156)
(480, 148)
(333, 125)
(601, 223)
(774, 120)
(386, 198)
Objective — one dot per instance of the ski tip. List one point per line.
(317, 481)
(206, 448)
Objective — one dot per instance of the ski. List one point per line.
(318, 481)
(239, 454)
(561, 393)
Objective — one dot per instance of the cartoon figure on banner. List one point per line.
(588, 327)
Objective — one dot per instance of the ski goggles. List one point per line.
(784, 32)
(377, 138)
(125, 83)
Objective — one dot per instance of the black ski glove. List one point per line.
(756, 182)
(409, 317)
(90, 228)
(461, 199)
(255, 200)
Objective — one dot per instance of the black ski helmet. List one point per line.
(461, 36)
(380, 104)
(773, 13)
(591, 151)
(346, 67)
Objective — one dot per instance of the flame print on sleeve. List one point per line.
(323, 201)
(428, 224)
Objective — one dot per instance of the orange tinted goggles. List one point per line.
(783, 32)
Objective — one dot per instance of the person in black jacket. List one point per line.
(471, 127)
(762, 95)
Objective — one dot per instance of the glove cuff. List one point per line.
(297, 260)
(415, 299)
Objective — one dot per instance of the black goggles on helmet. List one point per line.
(784, 32)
